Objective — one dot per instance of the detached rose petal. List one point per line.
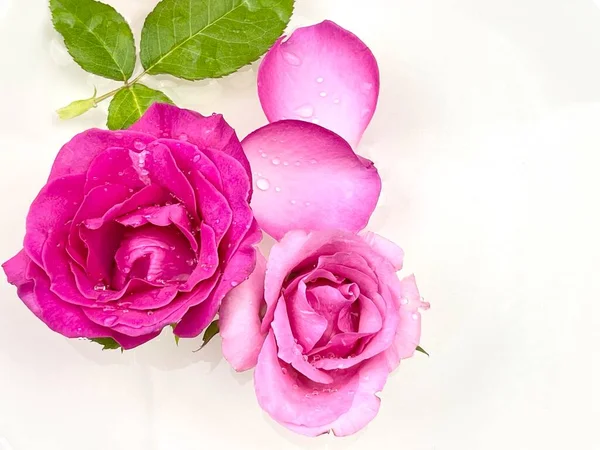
(322, 74)
(308, 178)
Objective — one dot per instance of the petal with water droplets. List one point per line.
(310, 179)
(322, 74)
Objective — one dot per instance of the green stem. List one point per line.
(114, 91)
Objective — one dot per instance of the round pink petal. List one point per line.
(239, 320)
(322, 74)
(308, 178)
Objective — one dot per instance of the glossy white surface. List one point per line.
(488, 140)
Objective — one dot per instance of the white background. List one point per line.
(488, 140)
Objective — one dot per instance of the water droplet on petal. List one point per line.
(183, 137)
(320, 80)
(291, 58)
(110, 321)
(262, 184)
(276, 161)
(150, 313)
(264, 155)
(100, 287)
(404, 301)
(196, 158)
(293, 202)
(285, 163)
(284, 370)
(323, 94)
(336, 101)
(139, 145)
(305, 111)
(234, 283)
(277, 189)
(190, 262)
(415, 316)
(315, 121)
(118, 135)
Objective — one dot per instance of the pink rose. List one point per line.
(139, 229)
(324, 326)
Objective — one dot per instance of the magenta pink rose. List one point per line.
(324, 325)
(139, 229)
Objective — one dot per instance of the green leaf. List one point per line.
(173, 325)
(211, 331)
(196, 39)
(107, 343)
(97, 37)
(420, 349)
(130, 103)
(77, 108)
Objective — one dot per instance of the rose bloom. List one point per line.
(139, 229)
(324, 326)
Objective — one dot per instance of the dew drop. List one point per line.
(320, 80)
(291, 58)
(336, 101)
(415, 316)
(331, 355)
(323, 94)
(100, 287)
(315, 121)
(284, 370)
(190, 262)
(285, 163)
(234, 283)
(110, 320)
(276, 161)
(150, 313)
(108, 308)
(264, 155)
(144, 173)
(262, 184)
(196, 158)
(305, 111)
(293, 202)
(139, 145)
(120, 174)
(404, 301)
(183, 137)
(277, 189)
(118, 135)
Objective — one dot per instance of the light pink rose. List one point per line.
(139, 229)
(325, 325)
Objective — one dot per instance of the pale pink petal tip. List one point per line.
(322, 74)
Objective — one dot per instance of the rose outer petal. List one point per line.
(308, 178)
(385, 247)
(239, 320)
(75, 157)
(324, 74)
(168, 121)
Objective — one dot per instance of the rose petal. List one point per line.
(292, 352)
(239, 320)
(322, 73)
(408, 334)
(372, 377)
(114, 166)
(385, 248)
(310, 179)
(76, 156)
(162, 170)
(51, 211)
(345, 406)
(237, 270)
(168, 121)
(306, 324)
